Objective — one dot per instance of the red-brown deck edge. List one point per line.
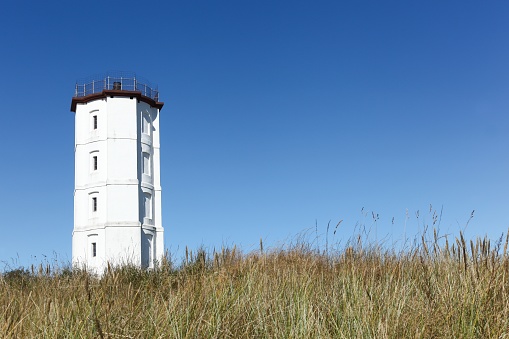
(115, 93)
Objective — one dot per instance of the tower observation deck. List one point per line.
(111, 84)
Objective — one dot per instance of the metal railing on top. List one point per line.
(121, 82)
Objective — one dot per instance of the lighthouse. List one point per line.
(117, 192)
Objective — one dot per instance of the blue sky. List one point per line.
(278, 115)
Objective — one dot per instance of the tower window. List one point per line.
(94, 249)
(94, 123)
(94, 161)
(148, 205)
(94, 204)
(146, 163)
(145, 124)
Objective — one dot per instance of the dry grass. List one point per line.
(457, 290)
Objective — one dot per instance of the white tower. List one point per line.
(117, 193)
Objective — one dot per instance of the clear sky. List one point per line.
(278, 115)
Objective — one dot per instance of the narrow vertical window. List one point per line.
(94, 204)
(150, 250)
(94, 118)
(94, 161)
(94, 249)
(148, 205)
(145, 124)
(146, 163)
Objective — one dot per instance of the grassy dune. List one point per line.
(458, 289)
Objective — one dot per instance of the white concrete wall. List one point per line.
(119, 228)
